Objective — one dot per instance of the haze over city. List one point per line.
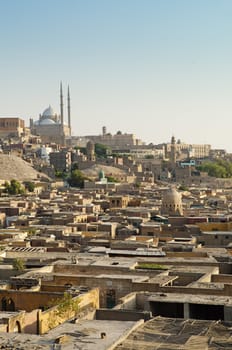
(155, 68)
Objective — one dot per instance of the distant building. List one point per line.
(189, 150)
(51, 126)
(11, 127)
(90, 151)
(61, 161)
(119, 140)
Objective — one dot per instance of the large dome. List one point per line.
(47, 122)
(48, 112)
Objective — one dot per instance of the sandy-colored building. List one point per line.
(11, 127)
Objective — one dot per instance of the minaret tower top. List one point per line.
(69, 111)
(61, 105)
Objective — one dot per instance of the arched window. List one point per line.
(17, 327)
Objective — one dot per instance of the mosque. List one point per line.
(50, 126)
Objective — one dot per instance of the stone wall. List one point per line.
(122, 315)
(53, 317)
(28, 300)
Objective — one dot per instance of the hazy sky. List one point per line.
(156, 68)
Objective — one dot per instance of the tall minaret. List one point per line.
(61, 105)
(69, 113)
(173, 152)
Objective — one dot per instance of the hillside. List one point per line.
(108, 170)
(12, 167)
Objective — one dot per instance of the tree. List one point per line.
(61, 174)
(111, 179)
(149, 156)
(183, 188)
(18, 264)
(29, 186)
(220, 168)
(75, 166)
(14, 187)
(77, 179)
(101, 150)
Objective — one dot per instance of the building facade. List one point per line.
(11, 127)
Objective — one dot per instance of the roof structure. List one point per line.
(178, 334)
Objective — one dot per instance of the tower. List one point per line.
(173, 152)
(61, 105)
(104, 130)
(69, 113)
(90, 151)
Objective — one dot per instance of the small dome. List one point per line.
(172, 195)
(172, 203)
(48, 112)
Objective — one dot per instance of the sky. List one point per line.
(155, 68)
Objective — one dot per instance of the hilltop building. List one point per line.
(117, 141)
(51, 126)
(186, 150)
(11, 127)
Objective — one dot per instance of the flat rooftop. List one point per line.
(190, 298)
(178, 334)
(83, 335)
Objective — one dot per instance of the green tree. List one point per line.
(183, 188)
(101, 150)
(75, 166)
(219, 168)
(18, 264)
(29, 186)
(61, 174)
(14, 187)
(77, 179)
(111, 179)
(67, 305)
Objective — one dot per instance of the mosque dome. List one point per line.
(172, 203)
(171, 195)
(47, 122)
(48, 112)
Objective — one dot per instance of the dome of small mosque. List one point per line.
(172, 203)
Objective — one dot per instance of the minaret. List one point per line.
(61, 105)
(69, 113)
(173, 152)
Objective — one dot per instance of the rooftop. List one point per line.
(178, 334)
